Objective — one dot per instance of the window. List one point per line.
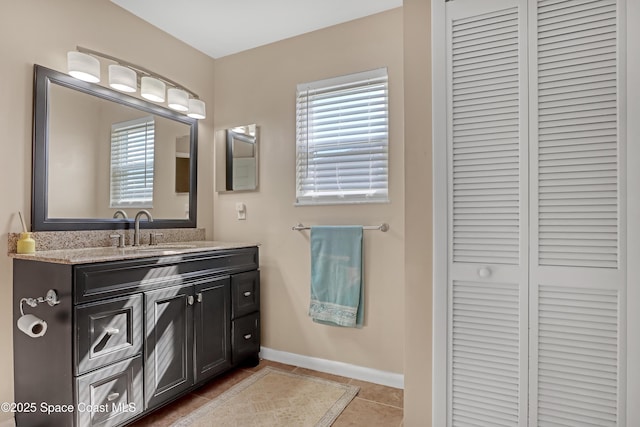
(342, 140)
(132, 145)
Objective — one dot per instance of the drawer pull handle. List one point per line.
(247, 337)
(247, 294)
(113, 396)
(112, 331)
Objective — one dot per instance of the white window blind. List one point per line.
(342, 139)
(132, 146)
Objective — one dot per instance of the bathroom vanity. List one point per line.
(130, 328)
(134, 329)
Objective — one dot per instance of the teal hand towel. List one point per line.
(337, 288)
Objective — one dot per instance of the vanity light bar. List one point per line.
(83, 65)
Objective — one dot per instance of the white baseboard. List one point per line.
(332, 367)
(8, 423)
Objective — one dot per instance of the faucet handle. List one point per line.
(153, 238)
(120, 238)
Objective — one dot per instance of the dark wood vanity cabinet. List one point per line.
(129, 336)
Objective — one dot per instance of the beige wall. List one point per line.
(36, 31)
(74, 138)
(259, 86)
(418, 212)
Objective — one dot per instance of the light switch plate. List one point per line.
(241, 211)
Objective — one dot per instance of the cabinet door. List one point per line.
(212, 319)
(169, 343)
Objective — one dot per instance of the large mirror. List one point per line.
(99, 153)
(238, 148)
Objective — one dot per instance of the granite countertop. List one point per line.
(113, 253)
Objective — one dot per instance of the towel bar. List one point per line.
(384, 227)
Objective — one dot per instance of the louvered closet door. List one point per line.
(577, 281)
(487, 167)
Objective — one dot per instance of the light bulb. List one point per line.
(122, 78)
(197, 109)
(152, 89)
(178, 99)
(84, 67)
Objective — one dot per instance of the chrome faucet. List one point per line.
(121, 213)
(136, 232)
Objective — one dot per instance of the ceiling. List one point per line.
(223, 27)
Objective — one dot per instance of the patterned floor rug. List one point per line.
(275, 398)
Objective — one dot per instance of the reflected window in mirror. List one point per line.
(132, 151)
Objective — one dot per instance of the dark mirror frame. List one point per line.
(43, 78)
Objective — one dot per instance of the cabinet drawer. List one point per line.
(245, 333)
(107, 332)
(245, 293)
(111, 395)
(112, 279)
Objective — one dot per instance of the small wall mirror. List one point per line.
(238, 147)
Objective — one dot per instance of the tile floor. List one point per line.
(374, 406)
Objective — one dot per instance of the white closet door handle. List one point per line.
(484, 272)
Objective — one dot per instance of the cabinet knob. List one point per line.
(112, 331)
(199, 297)
(113, 396)
(247, 294)
(190, 300)
(484, 272)
(247, 337)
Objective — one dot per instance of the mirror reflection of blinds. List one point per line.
(342, 139)
(132, 148)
